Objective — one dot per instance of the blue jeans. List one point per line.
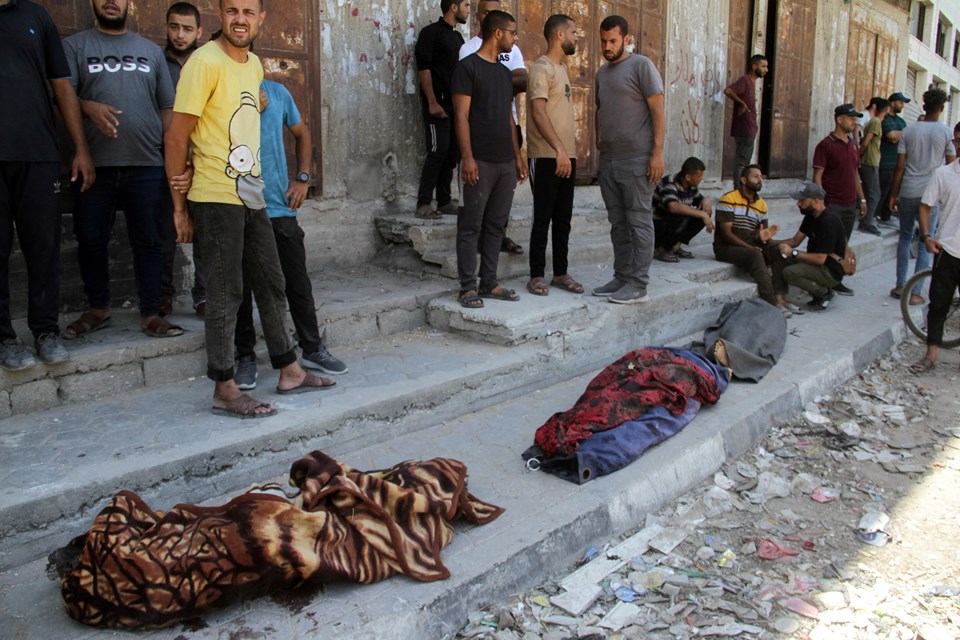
(139, 192)
(909, 211)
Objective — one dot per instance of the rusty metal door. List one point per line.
(739, 42)
(792, 70)
(288, 46)
(645, 20)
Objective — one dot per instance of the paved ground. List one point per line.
(547, 520)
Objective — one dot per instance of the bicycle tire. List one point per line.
(920, 330)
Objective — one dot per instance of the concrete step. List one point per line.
(399, 382)
(548, 522)
(354, 305)
(683, 296)
(591, 250)
(431, 237)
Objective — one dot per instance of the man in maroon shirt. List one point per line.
(743, 127)
(836, 166)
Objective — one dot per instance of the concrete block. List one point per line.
(174, 368)
(33, 396)
(399, 320)
(102, 384)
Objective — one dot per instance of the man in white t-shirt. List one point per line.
(943, 190)
(518, 70)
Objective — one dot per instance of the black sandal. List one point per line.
(509, 246)
(470, 299)
(509, 295)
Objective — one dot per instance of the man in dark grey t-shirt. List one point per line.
(491, 163)
(630, 124)
(126, 96)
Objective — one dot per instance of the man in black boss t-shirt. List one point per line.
(491, 163)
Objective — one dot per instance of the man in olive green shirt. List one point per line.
(870, 162)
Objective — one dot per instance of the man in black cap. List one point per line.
(816, 270)
(892, 125)
(836, 167)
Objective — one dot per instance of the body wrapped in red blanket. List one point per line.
(140, 569)
(625, 390)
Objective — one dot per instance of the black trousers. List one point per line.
(298, 289)
(944, 284)
(29, 203)
(886, 181)
(552, 203)
(443, 154)
(673, 228)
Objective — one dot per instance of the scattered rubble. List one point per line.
(785, 541)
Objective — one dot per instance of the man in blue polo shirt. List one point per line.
(32, 55)
(283, 197)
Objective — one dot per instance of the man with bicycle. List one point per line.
(943, 190)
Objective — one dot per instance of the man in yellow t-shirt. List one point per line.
(217, 111)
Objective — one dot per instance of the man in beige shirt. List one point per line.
(551, 149)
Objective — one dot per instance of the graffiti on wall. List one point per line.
(701, 80)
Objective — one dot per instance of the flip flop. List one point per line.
(923, 365)
(88, 322)
(566, 283)
(244, 408)
(509, 295)
(309, 384)
(538, 287)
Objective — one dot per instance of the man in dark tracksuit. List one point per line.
(437, 51)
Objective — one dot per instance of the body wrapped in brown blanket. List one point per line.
(142, 569)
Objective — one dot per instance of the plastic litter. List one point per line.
(875, 538)
(771, 550)
(873, 521)
(589, 555)
(825, 494)
(800, 607)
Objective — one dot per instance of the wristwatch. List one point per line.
(794, 253)
(923, 237)
(303, 176)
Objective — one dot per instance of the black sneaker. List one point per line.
(246, 376)
(843, 289)
(323, 360)
(50, 348)
(818, 304)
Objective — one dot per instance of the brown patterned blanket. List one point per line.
(138, 568)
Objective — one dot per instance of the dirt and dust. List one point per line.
(842, 523)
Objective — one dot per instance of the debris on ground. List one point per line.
(839, 524)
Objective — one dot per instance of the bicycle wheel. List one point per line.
(951, 327)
